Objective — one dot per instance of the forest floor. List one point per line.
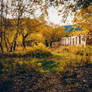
(66, 70)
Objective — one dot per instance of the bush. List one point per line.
(40, 51)
(77, 50)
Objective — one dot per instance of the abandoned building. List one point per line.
(72, 40)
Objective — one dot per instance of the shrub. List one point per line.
(77, 50)
(40, 51)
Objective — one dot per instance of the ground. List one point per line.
(67, 69)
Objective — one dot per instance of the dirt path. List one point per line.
(76, 79)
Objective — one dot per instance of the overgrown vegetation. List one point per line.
(28, 60)
(65, 69)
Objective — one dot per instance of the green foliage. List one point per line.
(48, 65)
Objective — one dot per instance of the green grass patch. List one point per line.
(48, 65)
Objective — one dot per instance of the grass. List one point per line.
(67, 65)
(37, 51)
(48, 65)
(72, 56)
(62, 57)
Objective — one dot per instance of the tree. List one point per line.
(4, 24)
(57, 34)
(18, 10)
(22, 10)
(51, 34)
(83, 19)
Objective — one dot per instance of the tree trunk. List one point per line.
(2, 42)
(14, 41)
(51, 43)
(23, 42)
(6, 43)
(4, 47)
(46, 43)
(13, 46)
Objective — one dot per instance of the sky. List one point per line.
(55, 17)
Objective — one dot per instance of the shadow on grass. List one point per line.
(49, 65)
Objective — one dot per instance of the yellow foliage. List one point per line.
(39, 64)
(38, 37)
(42, 71)
(83, 19)
(40, 51)
(90, 9)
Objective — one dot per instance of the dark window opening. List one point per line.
(73, 41)
(79, 39)
(76, 40)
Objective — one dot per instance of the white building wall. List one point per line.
(78, 40)
(83, 40)
(66, 40)
(73, 40)
(62, 42)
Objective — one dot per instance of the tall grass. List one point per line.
(69, 56)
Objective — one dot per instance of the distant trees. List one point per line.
(57, 34)
(51, 34)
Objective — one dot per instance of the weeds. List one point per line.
(67, 65)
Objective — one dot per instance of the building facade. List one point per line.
(72, 40)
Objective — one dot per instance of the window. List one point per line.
(76, 40)
(73, 41)
(70, 40)
(79, 39)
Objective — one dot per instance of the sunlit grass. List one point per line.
(61, 59)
